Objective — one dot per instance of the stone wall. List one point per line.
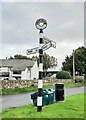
(7, 84)
(54, 81)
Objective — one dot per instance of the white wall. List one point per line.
(25, 75)
(30, 74)
(4, 69)
(34, 71)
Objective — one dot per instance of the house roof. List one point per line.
(16, 64)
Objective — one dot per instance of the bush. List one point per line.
(63, 75)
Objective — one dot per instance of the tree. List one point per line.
(80, 61)
(19, 56)
(35, 58)
(48, 61)
(10, 57)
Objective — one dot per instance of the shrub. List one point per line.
(63, 75)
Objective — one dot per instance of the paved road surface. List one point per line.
(10, 101)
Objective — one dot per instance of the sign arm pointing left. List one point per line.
(32, 51)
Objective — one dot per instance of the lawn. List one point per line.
(73, 107)
(31, 88)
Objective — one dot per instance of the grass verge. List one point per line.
(31, 88)
(73, 107)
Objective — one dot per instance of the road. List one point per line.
(11, 101)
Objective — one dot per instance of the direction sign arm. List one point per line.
(47, 40)
(32, 51)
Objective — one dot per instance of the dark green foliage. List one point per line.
(63, 75)
(80, 62)
(19, 56)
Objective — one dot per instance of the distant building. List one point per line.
(19, 68)
(52, 71)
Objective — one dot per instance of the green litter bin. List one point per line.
(52, 89)
(35, 102)
(48, 97)
(34, 98)
(44, 98)
(51, 95)
(34, 95)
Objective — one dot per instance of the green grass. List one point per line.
(73, 107)
(19, 90)
(79, 84)
(31, 89)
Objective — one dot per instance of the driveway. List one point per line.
(11, 101)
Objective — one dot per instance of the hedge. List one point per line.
(63, 75)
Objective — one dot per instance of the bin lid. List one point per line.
(34, 95)
(48, 92)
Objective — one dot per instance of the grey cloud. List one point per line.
(65, 25)
(43, 0)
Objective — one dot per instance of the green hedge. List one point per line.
(63, 75)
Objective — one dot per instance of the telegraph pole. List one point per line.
(73, 66)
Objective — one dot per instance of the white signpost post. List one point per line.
(44, 44)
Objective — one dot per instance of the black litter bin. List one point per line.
(59, 92)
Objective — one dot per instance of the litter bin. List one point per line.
(34, 98)
(50, 96)
(47, 97)
(59, 92)
(53, 94)
(44, 98)
(52, 89)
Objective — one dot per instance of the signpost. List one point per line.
(32, 51)
(44, 44)
(47, 43)
(46, 40)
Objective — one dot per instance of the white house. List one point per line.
(19, 68)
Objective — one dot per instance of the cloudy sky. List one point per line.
(65, 26)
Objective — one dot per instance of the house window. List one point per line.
(16, 72)
(4, 74)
